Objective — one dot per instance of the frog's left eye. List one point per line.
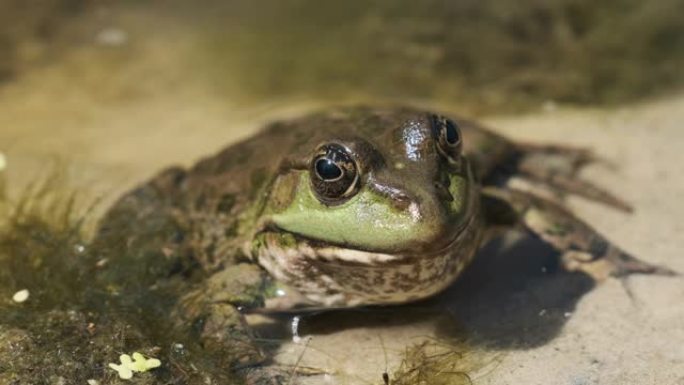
(334, 174)
(448, 136)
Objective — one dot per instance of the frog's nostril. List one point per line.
(443, 192)
(401, 202)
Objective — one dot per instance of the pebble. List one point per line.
(21, 296)
(112, 37)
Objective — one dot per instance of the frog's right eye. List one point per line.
(334, 174)
(448, 136)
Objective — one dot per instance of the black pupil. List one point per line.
(452, 136)
(327, 169)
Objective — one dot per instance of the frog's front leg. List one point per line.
(213, 311)
(581, 247)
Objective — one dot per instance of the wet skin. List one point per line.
(350, 207)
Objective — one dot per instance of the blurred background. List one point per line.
(482, 54)
(95, 81)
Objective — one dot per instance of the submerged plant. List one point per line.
(436, 362)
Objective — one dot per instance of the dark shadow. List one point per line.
(509, 298)
(326, 322)
(516, 297)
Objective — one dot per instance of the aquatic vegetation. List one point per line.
(73, 325)
(434, 362)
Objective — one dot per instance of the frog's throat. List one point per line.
(334, 276)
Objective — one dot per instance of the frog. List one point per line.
(349, 207)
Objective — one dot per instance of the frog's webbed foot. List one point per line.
(556, 168)
(582, 248)
(212, 311)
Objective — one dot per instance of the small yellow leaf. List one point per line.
(153, 363)
(125, 360)
(137, 364)
(124, 372)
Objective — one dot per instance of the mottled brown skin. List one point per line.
(205, 221)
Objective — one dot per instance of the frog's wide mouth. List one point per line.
(347, 253)
(342, 276)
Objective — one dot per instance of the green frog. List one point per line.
(350, 207)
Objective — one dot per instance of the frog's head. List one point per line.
(371, 189)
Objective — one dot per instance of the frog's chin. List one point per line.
(338, 276)
(343, 254)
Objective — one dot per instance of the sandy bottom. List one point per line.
(522, 322)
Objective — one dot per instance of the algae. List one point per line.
(74, 324)
(439, 362)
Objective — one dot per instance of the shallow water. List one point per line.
(115, 92)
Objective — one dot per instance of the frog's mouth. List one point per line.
(340, 276)
(351, 255)
(348, 254)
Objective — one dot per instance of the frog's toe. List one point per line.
(626, 264)
(615, 264)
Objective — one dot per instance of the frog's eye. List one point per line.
(334, 174)
(448, 136)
